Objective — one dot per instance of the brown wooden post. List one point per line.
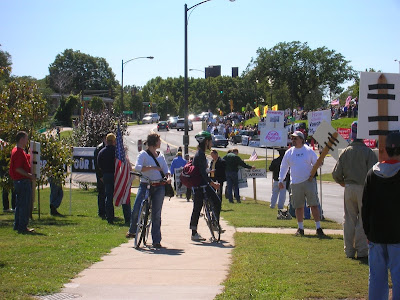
(383, 110)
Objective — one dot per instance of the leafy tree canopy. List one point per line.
(73, 71)
(301, 69)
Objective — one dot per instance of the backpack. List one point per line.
(190, 176)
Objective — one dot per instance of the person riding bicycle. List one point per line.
(200, 161)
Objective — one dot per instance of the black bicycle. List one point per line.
(144, 218)
(210, 216)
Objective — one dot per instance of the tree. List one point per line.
(5, 67)
(73, 71)
(96, 125)
(96, 104)
(64, 112)
(301, 69)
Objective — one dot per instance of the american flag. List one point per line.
(335, 102)
(348, 99)
(254, 156)
(122, 176)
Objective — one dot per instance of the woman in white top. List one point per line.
(147, 166)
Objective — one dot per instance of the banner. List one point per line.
(242, 180)
(83, 168)
(182, 189)
(344, 132)
(256, 173)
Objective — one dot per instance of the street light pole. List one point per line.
(185, 89)
(399, 63)
(122, 77)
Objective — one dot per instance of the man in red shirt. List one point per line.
(20, 172)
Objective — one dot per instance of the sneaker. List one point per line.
(198, 238)
(320, 232)
(299, 232)
(129, 235)
(27, 230)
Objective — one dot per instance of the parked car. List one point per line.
(162, 125)
(172, 122)
(180, 124)
(219, 141)
(150, 118)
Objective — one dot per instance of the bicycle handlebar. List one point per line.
(139, 174)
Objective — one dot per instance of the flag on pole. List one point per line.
(275, 107)
(122, 176)
(257, 111)
(168, 149)
(254, 156)
(335, 102)
(265, 111)
(348, 99)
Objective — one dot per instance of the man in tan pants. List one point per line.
(350, 172)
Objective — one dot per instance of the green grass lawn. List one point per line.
(275, 266)
(61, 247)
(251, 213)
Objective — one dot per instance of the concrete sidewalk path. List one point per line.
(183, 269)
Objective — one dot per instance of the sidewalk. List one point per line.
(183, 269)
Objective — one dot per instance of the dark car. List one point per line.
(219, 141)
(162, 125)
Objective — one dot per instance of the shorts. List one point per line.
(303, 190)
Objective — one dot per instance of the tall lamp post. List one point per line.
(399, 63)
(122, 77)
(185, 90)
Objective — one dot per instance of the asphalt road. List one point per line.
(331, 196)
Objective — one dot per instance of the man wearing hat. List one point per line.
(106, 163)
(380, 217)
(301, 159)
(350, 172)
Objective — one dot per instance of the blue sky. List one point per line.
(220, 32)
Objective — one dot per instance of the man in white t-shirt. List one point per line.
(301, 159)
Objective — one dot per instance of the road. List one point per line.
(332, 194)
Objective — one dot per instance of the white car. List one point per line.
(180, 124)
(151, 118)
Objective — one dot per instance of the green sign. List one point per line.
(86, 98)
(128, 112)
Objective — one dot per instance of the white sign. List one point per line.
(322, 136)
(275, 119)
(34, 150)
(315, 118)
(273, 137)
(368, 104)
(169, 157)
(180, 188)
(256, 173)
(242, 180)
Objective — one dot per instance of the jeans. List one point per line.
(381, 258)
(56, 194)
(278, 192)
(108, 179)
(101, 198)
(23, 189)
(157, 194)
(198, 204)
(232, 183)
(6, 203)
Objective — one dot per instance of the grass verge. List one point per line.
(268, 266)
(41, 263)
(251, 213)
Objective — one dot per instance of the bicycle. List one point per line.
(210, 216)
(144, 218)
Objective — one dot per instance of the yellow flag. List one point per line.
(265, 111)
(275, 107)
(257, 111)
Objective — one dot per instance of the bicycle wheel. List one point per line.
(147, 223)
(212, 222)
(141, 223)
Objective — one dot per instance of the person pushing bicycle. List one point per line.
(200, 161)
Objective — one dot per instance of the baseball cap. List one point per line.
(393, 140)
(299, 134)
